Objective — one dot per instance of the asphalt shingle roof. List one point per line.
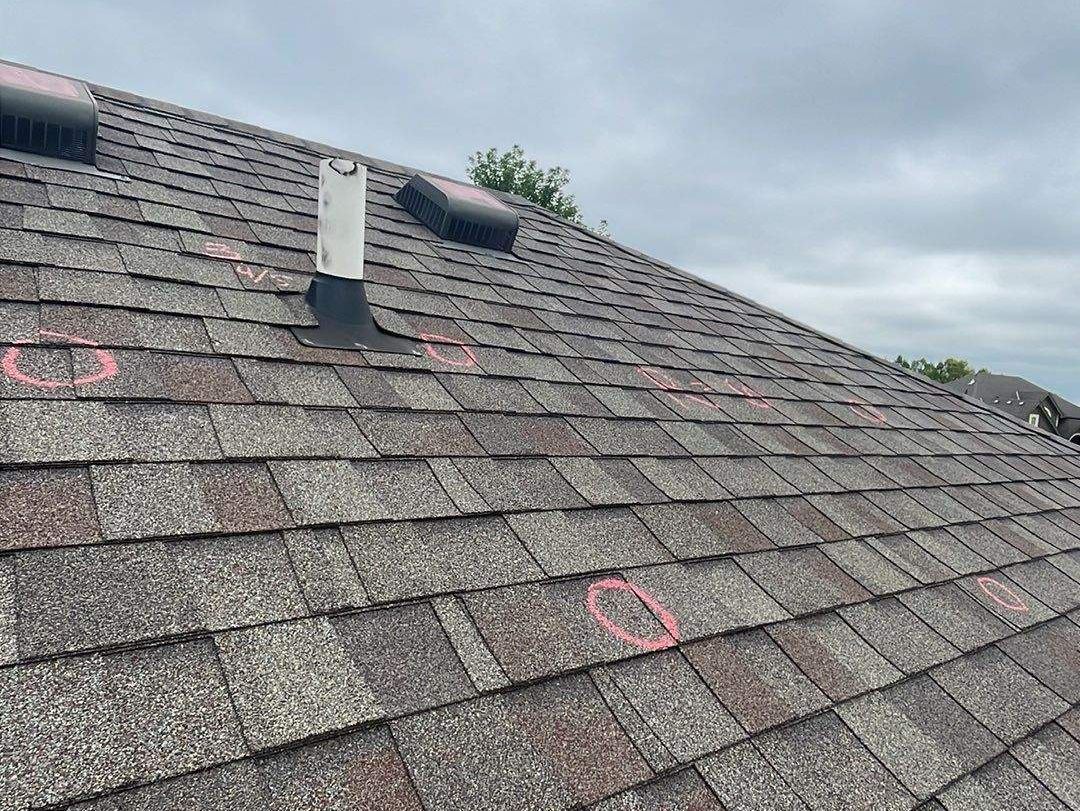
(615, 538)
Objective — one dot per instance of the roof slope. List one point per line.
(616, 534)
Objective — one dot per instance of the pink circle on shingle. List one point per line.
(667, 619)
(432, 338)
(10, 363)
(867, 412)
(1002, 594)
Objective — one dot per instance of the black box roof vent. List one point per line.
(460, 212)
(46, 115)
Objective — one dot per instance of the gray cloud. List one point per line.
(903, 175)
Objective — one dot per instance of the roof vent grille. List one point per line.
(46, 115)
(460, 212)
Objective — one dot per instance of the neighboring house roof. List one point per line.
(1013, 395)
(616, 532)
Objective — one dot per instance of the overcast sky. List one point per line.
(903, 175)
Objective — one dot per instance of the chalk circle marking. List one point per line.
(867, 412)
(753, 397)
(671, 633)
(10, 363)
(431, 339)
(1002, 594)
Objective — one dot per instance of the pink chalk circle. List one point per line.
(1002, 594)
(667, 619)
(753, 397)
(431, 339)
(10, 363)
(867, 412)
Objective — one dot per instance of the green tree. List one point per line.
(511, 171)
(944, 371)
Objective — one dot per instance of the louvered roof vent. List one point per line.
(336, 295)
(460, 212)
(47, 115)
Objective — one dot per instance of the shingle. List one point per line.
(644, 738)
(984, 542)
(802, 474)
(293, 383)
(1046, 583)
(920, 734)
(465, 498)
(87, 597)
(747, 477)
(699, 530)
(325, 570)
(587, 540)
(1002, 783)
(673, 700)
(267, 431)
(219, 788)
(101, 432)
(236, 580)
(829, 767)
(551, 745)
(851, 473)
(709, 439)
(138, 501)
(417, 434)
(626, 437)
(777, 522)
(404, 657)
(744, 781)
(833, 656)
(868, 567)
(318, 492)
(409, 559)
(1051, 653)
(139, 715)
(709, 596)
(361, 770)
(293, 680)
(803, 580)
(955, 615)
(522, 435)
(683, 789)
(110, 289)
(9, 646)
(898, 635)
(853, 513)
(754, 679)
(1053, 756)
(475, 655)
(546, 628)
(994, 689)
(901, 507)
(47, 507)
(608, 481)
(949, 550)
(681, 479)
(490, 394)
(519, 484)
(912, 558)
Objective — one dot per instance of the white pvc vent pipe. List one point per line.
(339, 249)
